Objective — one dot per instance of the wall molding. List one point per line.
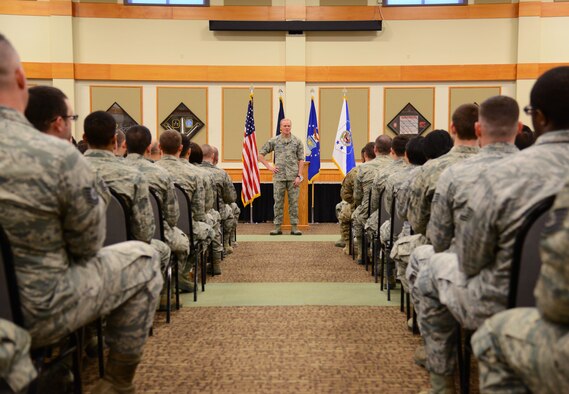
(279, 74)
(327, 175)
(279, 13)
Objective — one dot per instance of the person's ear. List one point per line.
(520, 127)
(478, 130)
(21, 78)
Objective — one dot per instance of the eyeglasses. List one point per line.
(72, 117)
(529, 110)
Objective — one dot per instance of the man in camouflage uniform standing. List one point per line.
(226, 195)
(287, 174)
(128, 182)
(473, 284)
(138, 140)
(345, 208)
(171, 146)
(54, 217)
(362, 188)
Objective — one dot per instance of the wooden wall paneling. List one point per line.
(128, 97)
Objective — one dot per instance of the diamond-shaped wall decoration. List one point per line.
(182, 119)
(409, 121)
(122, 118)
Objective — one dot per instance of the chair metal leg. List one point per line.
(100, 341)
(376, 251)
(382, 268)
(408, 302)
(176, 281)
(197, 256)
(168, 293)
(402, 301)
(415, 324)
(204, 269)
(364, 250)
(76, 368)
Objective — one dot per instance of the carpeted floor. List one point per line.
(230, 343)
(281, 349)
(290, 262)
(265, 228)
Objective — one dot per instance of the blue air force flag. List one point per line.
(313, 143)
(343, 154)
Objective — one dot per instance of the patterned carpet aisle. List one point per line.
(316, 346)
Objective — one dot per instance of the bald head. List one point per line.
(13, 85)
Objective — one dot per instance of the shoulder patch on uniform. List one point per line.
(91, 195)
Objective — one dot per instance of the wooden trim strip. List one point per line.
(279, 13)
(36, 8)
(95, 10)
(276, 74)
(327, 175)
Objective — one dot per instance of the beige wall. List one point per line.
(404, 43)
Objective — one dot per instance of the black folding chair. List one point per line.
(395, 229)
(382, 216)
(185, 223)
(159, 234)
(11, 310)
(221, 223)
(524, 273)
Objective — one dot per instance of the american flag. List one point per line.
(251, 185)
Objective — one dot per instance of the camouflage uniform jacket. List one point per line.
(130, 184)
(424, 184)
(208, 184)
(288, 152)
(552, 290)
(364, 181)
(51, 210)
(347, 190)
(496, 207)
(16, 367)
(183, 175)
(380, 181)
(225, 190)
(452, 189)
(403, 193)
(394, 182)
(160, 181)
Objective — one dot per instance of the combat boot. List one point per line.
(358, 249)
(227, 249)
(277, 230)
(340, 243)
(440, 384)
(294, 230)
(420, 356)
(119, 374)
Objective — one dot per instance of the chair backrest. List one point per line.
(157, 213)
(396, 222)
(383, 214)
(185, 218)
(526, 262)
(118, 226)
(10, 308)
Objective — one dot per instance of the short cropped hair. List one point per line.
(550, 94)
(415, 151)
(398, 144)
(501, 114)
(208, 151)
(138, 138)
(368, 149)
(100, 128)
(170, 141)
(437, 143)
(383, 144)
(196, 154)
(45, 104)
(463, 119)
(525, 139)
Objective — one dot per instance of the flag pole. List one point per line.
(251, 213)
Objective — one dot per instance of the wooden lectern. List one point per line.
(302, 204)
